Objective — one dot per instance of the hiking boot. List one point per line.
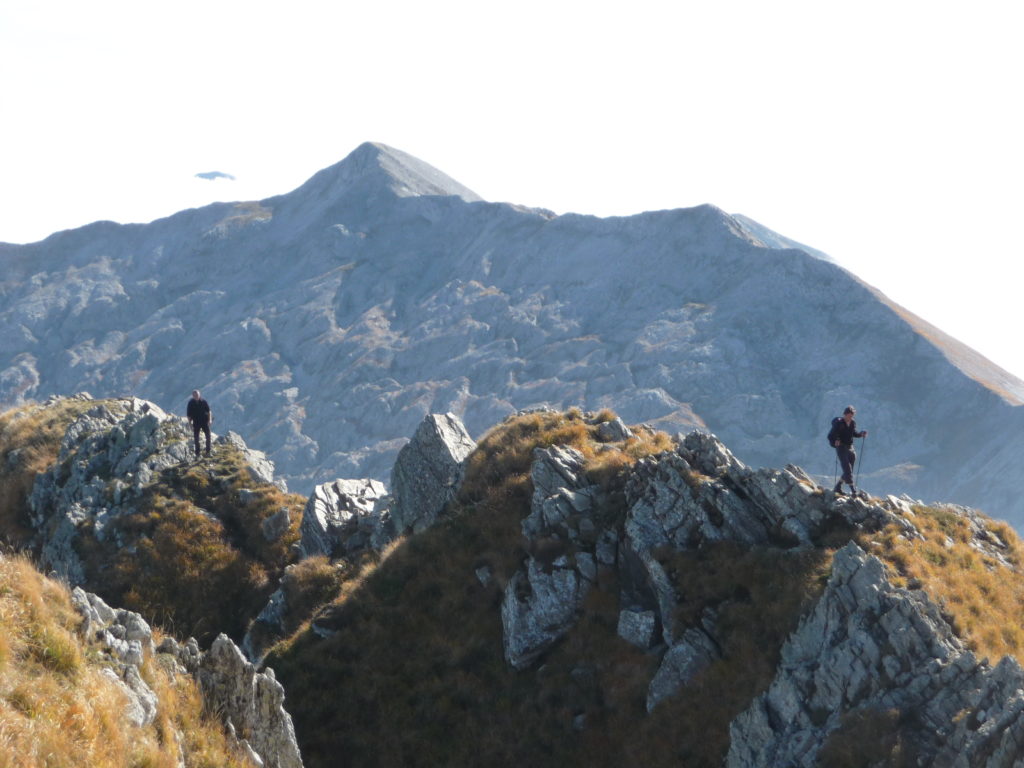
(838, 489)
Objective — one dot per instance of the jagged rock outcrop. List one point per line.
(108, 456)
(428, 472)
(864, 646)
(342, 517)
(251, 702)
(870, 646)
(108, 459)
(700, 494)
(125, 638)
(542, 600)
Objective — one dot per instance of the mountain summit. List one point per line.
(372, 166)
(327, 322)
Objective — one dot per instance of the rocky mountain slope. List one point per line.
(599, 596)
(324, 324)
(569, 590)
(84, 684)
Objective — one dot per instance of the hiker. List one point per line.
(840, 437)
(201, 417)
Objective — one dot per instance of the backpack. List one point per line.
(832, 432)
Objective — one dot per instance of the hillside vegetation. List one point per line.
(190, 555)
(58, 708)
(29, 444)
(414, 642)
(418, 641)
(397, 657)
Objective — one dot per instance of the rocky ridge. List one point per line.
(348, 518)
(109, 457)
(865, 646)
(328, 322)
(250, 703)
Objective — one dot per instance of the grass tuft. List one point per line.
(59, 708)
(983, 598)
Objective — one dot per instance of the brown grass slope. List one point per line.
(416, 649)
(412, 673)
(59, 710)
(193, 559)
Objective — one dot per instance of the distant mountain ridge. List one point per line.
(326, 322)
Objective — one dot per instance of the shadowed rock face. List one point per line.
(326, 323)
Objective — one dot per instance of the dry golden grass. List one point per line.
(983, 599)
(198, 563)
(30, 439)
(58, 708)
(418, 641)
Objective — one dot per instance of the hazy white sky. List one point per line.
(888, 134)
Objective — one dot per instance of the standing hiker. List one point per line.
(840, 437)
(201, 417)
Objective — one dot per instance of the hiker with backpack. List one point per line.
(840, 437)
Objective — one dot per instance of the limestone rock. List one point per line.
(562, 497)
(124, 638)
(428, 472)
(345, 515)
(542, 600)
(275, 526)
(539, 607)
(614, 431)
(868, 645)
(253, 702)
(637, 627)
(260, 467)
(681, 663)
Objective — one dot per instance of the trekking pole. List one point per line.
(863, 450)
(835, 479)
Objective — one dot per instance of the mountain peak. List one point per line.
(380, 166)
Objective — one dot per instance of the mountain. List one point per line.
(568, 591)
(324, 324)
(600, 595)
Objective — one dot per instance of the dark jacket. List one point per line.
(843, 432)
(198, 412)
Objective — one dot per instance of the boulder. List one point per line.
(343, 515)
(428, 472)
(638, 627)
(276, 526)
(681, 663)
(614, 431)
(539, 607)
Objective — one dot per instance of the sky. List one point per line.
(888, 134)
